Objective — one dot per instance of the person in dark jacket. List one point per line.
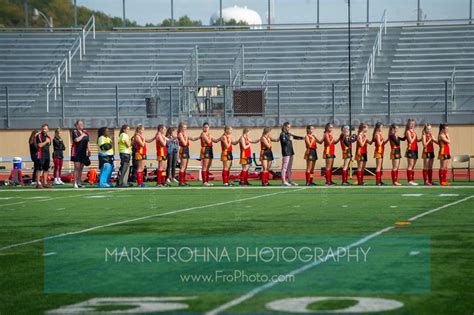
(33, 151)
(286, 140)
(43, 157)
(80, 151)
(58, 156)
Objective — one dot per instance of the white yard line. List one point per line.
(257, 290)
(147, 217)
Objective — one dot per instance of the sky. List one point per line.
(286, 11)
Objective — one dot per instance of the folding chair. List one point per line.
(459, 163)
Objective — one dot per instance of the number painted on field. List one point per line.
(364, 305)
(124, 305)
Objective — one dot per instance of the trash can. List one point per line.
(17, 163)
(151, 107)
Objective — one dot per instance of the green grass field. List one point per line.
(429, 271)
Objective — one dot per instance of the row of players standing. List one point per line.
(134, 148)
(266, 155)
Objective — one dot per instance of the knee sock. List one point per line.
(139, 178)
(204, 176)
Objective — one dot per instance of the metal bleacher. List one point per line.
(28, 63)
(303, 70)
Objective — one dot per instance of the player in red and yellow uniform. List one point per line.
(311, 156)
(395, 152)
(428, 154)
(140, 154)
(346, 140)
(266, 154)
(183, 141)
(329, 153)
(412, 150)
(379, 151)
(361, 152)
(226, 155)
(161, 155)
(207, 153)
(246, 159)
(444, 154)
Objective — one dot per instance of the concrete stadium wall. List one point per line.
(15, 143)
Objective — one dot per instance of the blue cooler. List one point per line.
(17, 163)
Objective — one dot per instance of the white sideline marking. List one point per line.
(414, 253)
(60, 209)
(412, 195)
(95, 196)
(268, 285)
(448, 195)
(49, 254)
(176, 188)
(49, 199)
(37, 197)
(144, 218)
(6, 198)
(393, 206)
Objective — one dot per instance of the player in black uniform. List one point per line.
(43, 157)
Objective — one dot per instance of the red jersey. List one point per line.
(224, 146)
(329, 148)
(444, 148)
(263, 146)
(161, 149)
(44, 151)
(394, 141)
(429, 148)
(310, 142)
(203, 144)
(346, 145)
(362, 149)
(379, 147)
(184, 144)
(140, 149)
(414, 145)
(245, 152)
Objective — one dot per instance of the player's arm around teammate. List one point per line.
(161, 155)
(310, 156)
(361, 152)
(226, 155)
(444, 154)
(140, 152)
(266, 154)
(379, 151)
(207, 153)
(245, 156)
(329, 153)
(346, 140)
(412, 151)
(428, 154)
(184, 155)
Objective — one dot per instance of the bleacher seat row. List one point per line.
(304, 62)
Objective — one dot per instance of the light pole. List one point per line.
(49, 21)
(349, 66)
